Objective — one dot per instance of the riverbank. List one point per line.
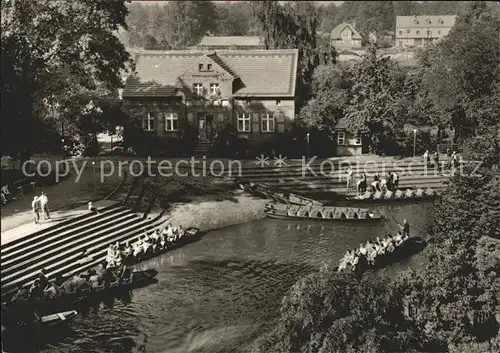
(208, 212)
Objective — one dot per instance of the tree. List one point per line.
(374, 106)
(186, 22)
(42, 40)
(294, 26)
(233, 19)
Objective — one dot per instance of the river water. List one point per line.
(218, 294)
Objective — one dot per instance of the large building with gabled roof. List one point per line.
(419, 31)
(345, 35)
(252, 91)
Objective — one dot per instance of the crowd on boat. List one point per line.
(160, 239)
(390, 182)
(93, 279)
(373, 250)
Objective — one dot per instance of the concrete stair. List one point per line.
(71, 246)
(202, 148)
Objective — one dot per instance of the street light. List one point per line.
(414, 142)
(307, 137)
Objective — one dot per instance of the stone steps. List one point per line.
(70, 246)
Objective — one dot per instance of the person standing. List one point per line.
(426, 158)
(436, 161)
(44, 203)
(406, 228)
(35, 207)
(349, 178)
(395, 181)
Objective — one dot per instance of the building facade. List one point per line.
(345, 36)
(419, 31)
(230, 43)
(346, 143)
(251, 92)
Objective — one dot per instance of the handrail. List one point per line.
(112, 193)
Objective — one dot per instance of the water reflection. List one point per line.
(218, 294)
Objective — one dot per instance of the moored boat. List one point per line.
(191, 235)
(321, 213)
(408, 195)
(70, 299)
(276, 194)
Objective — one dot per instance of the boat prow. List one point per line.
(58, 318)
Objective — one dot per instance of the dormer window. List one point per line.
(418, 32)
(429, 20)
(209, 67)
(429, 33)
(200, 67)
(441, 21)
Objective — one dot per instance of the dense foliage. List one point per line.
(61, 64)
(449, 303)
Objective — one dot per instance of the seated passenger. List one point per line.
(5, 190)
(108, 276)
(127, 250)
(405, 237)
(36, 290)
(398, 239)
(69, 285)
(4, 199)
(354, 262)
(52, 291)
(146, 243)
(138, 247)
(182, 232)
(80, 281)
(390, 245)
(94, 279)
(21, 293)
(111, 254)
(100, 269)
(125, 273)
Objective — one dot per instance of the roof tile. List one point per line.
(423, 21)
(262, 72)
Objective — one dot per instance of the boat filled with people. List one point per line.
(381, 252)
(150, 245)
(321, 213)
(275, 194)
(65, 292)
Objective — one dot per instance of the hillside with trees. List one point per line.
(450, 303)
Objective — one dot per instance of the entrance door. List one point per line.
(202, 126)
(210, 127)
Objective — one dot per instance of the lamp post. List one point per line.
(308, 150)
(414, 142)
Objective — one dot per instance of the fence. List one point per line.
(442, 147)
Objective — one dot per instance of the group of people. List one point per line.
(40, 204)
(452, 160)
(371, 250)
(159, 239)
(390, 182)
(98, 278)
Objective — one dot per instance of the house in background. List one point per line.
(230, 43)
(346, 143)
(345, 36)
(250, 91)
(418, 31)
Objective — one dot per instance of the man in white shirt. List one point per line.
(44, 203)
(35, 207)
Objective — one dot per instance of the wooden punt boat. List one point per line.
(408, 195)
(410, 247)
(321, 213)
(275, 194)
(79, 297)
(192, 235)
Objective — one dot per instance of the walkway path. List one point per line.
(22, 224)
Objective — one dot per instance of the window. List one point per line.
(267, 122)
(214, 88)
(171, 122)
(358, 140)
(243, 122)
(429, 33)
(200, 67)
(198, 89)
(148, 123)
(400, 32)
(341, 138)
(209, 67)
(408, 30)
(418, 32)
(278, 102)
